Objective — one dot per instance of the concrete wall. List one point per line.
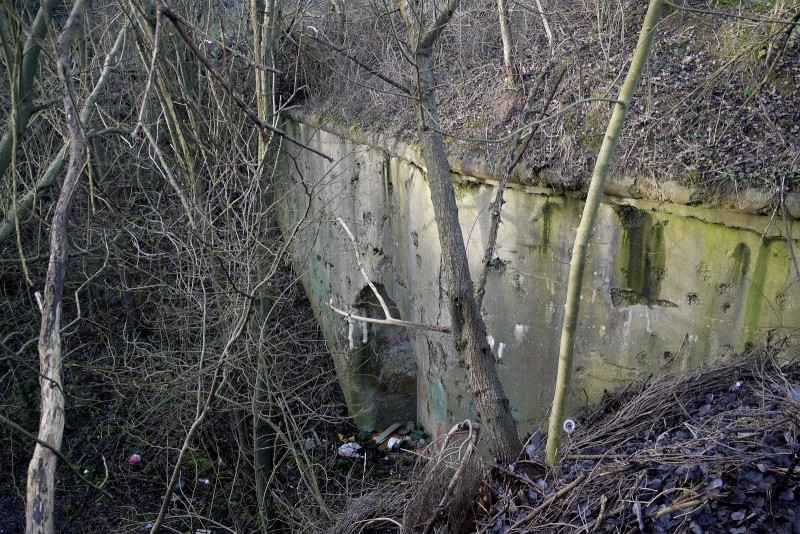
(668, 286)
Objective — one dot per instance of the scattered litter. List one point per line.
(350, 450)
(394, 442)
(569, 425)
(386, 433)
(535, 443)
(204, 481)
(419, 433)
(134, 459)
(148, 527)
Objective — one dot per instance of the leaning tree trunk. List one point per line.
(40, 490)
(469, 330)
(586, 228)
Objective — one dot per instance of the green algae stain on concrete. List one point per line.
(642, 257)
(740, 264)
(668, 288)
(547, 224)
(758, 288)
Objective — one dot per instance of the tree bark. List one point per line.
(40, 490)
(264, 19)
(469, 330)
(586, 228)
(508, 44)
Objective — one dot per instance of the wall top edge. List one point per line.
(753, 210)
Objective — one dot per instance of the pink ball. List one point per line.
(135, 459)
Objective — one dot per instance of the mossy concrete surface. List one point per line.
(667, 287)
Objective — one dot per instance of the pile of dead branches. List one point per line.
(710, 450)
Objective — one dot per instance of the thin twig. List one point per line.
(5, 420)
(362, 270)
(393, 322)
(262, 126)
(546, 504)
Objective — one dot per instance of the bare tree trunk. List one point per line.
(40, 490)
(508, 44)
(469, 330)
(29, 72)
(586, 228)
(264, 18)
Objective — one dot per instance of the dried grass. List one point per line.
(658, 455)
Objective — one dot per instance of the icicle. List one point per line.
(500, 348)
(364, 332)
(350, 331)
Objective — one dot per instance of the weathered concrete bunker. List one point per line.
(668, 285)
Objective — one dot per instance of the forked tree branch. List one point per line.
(388, 319)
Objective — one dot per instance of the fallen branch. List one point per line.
(5, 420)
(389, 319)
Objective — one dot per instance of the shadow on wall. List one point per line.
(385, 367)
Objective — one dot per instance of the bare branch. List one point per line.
(361, 268)
(390, 321)
(369, 70)
(5, 420)
(262, 126)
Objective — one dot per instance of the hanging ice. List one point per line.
(350, 331)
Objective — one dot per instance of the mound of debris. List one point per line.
(713, 450)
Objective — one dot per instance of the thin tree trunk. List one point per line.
(264, 20)
(40, 490)
(586, 228)
(30, 69)
(508, 44)
(469, 330)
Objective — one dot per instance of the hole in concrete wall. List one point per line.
(387, 354)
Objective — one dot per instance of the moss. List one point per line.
(591, 136)
(547, 217)
(693, 178)
(466, 189)
(783, 82)
(199, 464)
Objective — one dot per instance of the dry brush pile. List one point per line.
(709, 450)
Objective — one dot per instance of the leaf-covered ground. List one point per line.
(718, 109)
